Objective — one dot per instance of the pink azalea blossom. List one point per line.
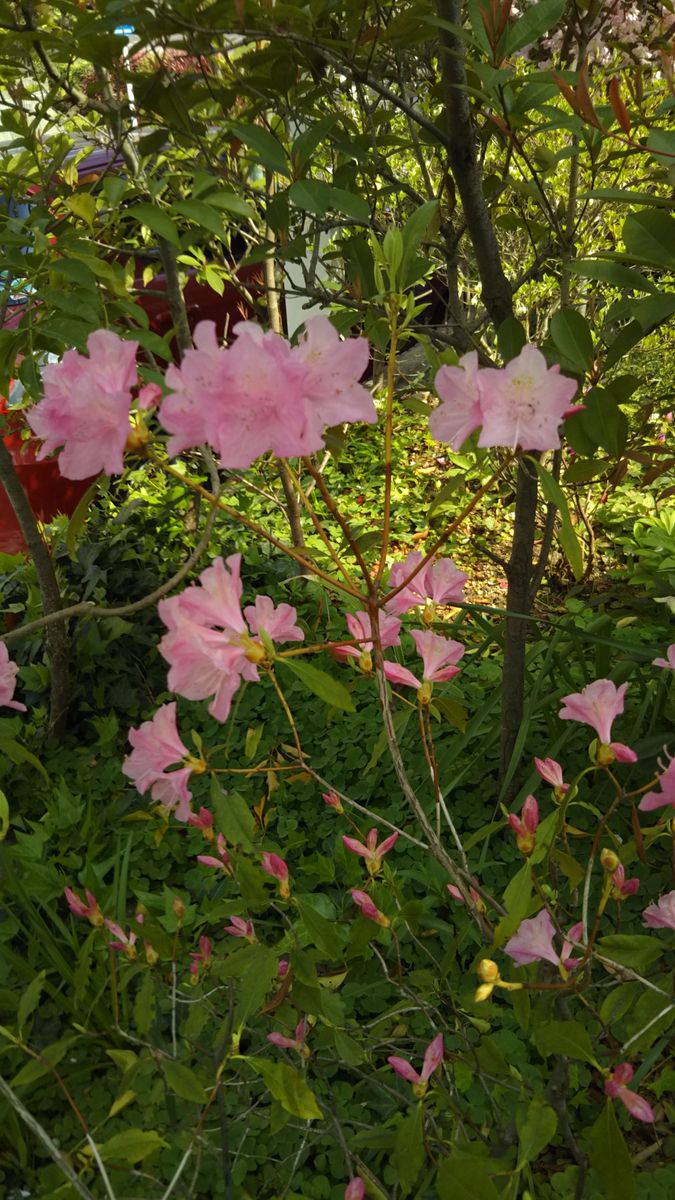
(79, 908)
(616, 1087)
(209, 646)
(669, 661)
(533, 942)
(126, 942)
(202, 820)
(433, 1057)
(8, 673)
(369, 910)
(333, 801)
(361, 630)
(156, 746)
(525, 826)
(240, 928)
(277, 868)
(475, 896)
(459, 412)
(372, 853)
(86, 404)
(439, 655)
(355, 1189)
(149, 395)
(524, 403)
(622, 887)
(201, 959)
(598, 705)
(398, 674)
(439, 582)
(662, 914)
(552, 773)
(222, 862)
(665, 798)
(263, 394)
(295, 1043)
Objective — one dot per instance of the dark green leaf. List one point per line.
(132, 1145)
(534, 22)
(156, 220)
(536, 1128)
(572, 337)
(564, 1037)
(202, 214)
(568, 538)
(610, 1158)
(289, 1088)
(320, 683)
(327, 936)
(462, 1177)
(583, 469)
(269, 151)
(634, 950)
(649, 235)
(628, 279)
(409, 1155)
(233, 816)
(511, 338)
(181, 1080)
(516, 902)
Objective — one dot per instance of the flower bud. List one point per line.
(424, 693)
(178, 908)
(483, 992)
(151, 955)
(609, 860)
(365, 662)
(488, 971)
(428, 613)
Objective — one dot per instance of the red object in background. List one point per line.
(47, 490)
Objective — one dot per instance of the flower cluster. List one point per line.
(439, 582)
(263, 394)
(520, 405)
(211, 644)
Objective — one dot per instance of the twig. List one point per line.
(42, 1136)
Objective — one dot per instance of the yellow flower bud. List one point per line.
(488, 971)
(609, 860)
(483, 992)
(365, 662)
(424, 693)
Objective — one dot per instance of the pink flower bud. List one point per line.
(355, 1189)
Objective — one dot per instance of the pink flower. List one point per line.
(533, 942)
(665, 798)
(439, 655)
(662, 914)
(616, 1087)
(201, 959)
(598, 705)
(209, 647)
(669, 661)
(90, 910)
(525, 826)
(355, 1189)
(149, 395)
(86, 406)
(333, 801)
(475, 896)
(459, 412)
(126, 942)
(8, 673)
(439, 582)
(295, 1043)
(622, 887)
(202, 820)
(372, 853)
(220, 863)
(361, 630)
(276, 867)
(241, 929)
(551, 772)
(156, 746)
(369, 910)
(433, 1057)
(278, 622)
(262, 394)
(282, 968)
(524, 403)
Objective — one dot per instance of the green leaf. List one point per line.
(654, 310)
(624, 341)
(536, 1128)
(78, 519)
(183, 1081)
(610, 1157)
(584, 469)
(347, 1049)
(604, 422)
(4, 816)
(327, 936)
(234, 818)
(233, 203)
(463, 1177)
(568, 538)
(269, 151)
(511, 338)
(572, 337)
(634, 950)
(257, 971)
(30, 999)
(82, 205)
(564, 1037)
(412, 234)
(649, 235)
(309, 140)
(409, 1154)
(144, 1006)
(156, 220)
(318, 197)
(49, 1057)
(628, 279)
(202, 214)
(320, 683)
(516, 902)
(132, 1145)
(289, 1088)
(661, 142)
(533, 23)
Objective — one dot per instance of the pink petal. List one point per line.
(404, 1069)
(356, 847)
(636, 1105)
(433, 1057)
(623, 753)
(397, 674)
(385, 846)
